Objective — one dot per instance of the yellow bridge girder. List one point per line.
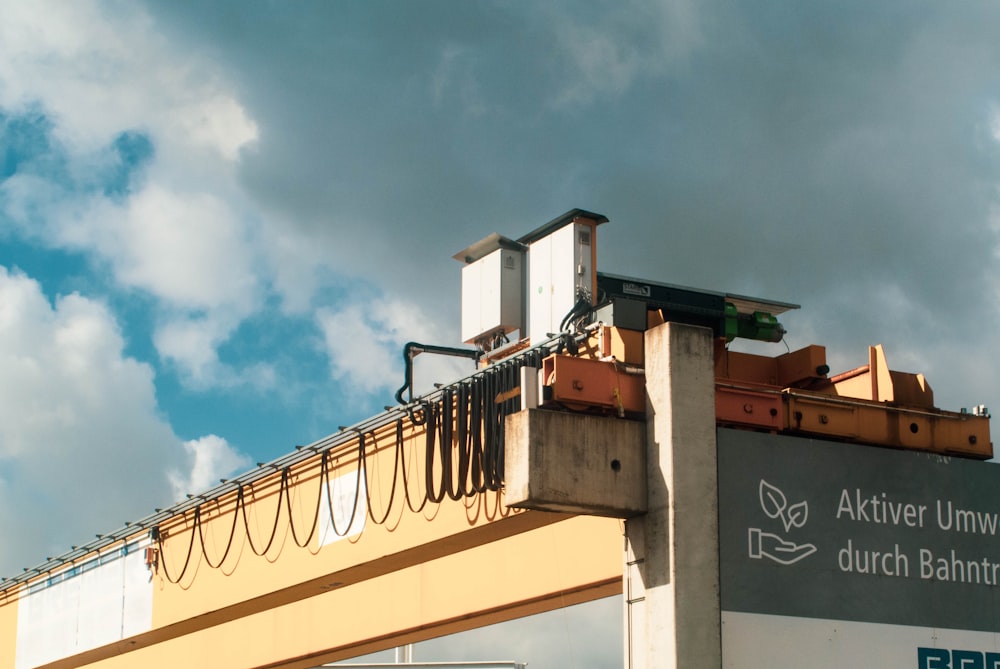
(259, 577)
(549, 567)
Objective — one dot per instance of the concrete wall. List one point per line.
(672, 613)
(573, 463)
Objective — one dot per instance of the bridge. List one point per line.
(569, 467)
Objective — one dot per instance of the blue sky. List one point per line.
(220, 222)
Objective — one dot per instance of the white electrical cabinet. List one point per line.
(492, 295)
(531, 284)
(560, 271)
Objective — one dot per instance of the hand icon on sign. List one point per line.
(764, 544)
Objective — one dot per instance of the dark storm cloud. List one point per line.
(839, 156)
(404, 133)
(835, 157)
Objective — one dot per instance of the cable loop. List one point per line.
(285, 473)
(163, 557)
(392, 492)
(357, 491)
(463, 456)
(406, 480)
(201, 538)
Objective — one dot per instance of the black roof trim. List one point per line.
(560, 221)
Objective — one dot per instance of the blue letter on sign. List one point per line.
(967, 659)
(933, 658)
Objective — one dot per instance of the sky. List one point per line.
(220, 222)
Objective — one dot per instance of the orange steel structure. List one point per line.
(869, 404)
(791, 393)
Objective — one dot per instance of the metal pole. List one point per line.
(404, 654)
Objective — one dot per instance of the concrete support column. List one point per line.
(672, 616)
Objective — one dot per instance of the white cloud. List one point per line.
(208, 459)
(97, 72)
(183, 233)
(58, 365)
(189, 253)
(359, 348)
(293, 262)
(218, 121)
(191, 345)
(364, 343)
(83, 446)
(188, 249)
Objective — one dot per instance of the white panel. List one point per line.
(755, 641)
(138, 609)
(343, 496)
(540, 289)
(563, 275)
(472, 278)
(46, 624)
(511, 290)
(491, 295)
(88, 606)
(559, 265)
(530, 385)
(101, 605)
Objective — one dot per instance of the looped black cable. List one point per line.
(246, 522)
(163, 557)
(406, 479)
(477, 459)
(392, 492)
(201, 538)
(463, 457)
(493, 429)
(285, 473)
(452, 488)
(357, 492)
(431, 443)
(412, 413)
(578, 311)
(466, 477)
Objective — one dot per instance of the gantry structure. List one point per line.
(578, 461)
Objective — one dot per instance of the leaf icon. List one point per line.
(797, 515)
(772, 500)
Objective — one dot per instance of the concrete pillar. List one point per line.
(672, 616)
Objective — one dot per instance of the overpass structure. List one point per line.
(608, 442)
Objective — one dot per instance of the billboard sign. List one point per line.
(851, 555)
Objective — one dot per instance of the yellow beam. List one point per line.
(8, 631)
(556, 564)
(227, 589)
(247, 583)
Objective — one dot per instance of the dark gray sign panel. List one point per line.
(817, 529)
